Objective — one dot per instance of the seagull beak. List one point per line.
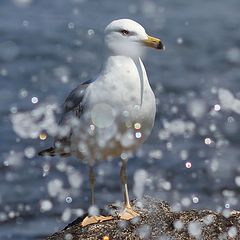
(154, 43)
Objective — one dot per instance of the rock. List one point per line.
(157, 221)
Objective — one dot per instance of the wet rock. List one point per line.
(157, 221)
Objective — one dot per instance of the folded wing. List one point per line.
(73, 106)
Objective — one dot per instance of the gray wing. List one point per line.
(73, 106)
(74, 102)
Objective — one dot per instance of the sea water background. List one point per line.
(192, 156)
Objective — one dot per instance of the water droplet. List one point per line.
(29, 152)
(232, 232)
(138, 135)
(93, 210)
(188, 164)
(8, 51)
(23, 93)
(184, 155)
(237, 181)
(43, 136)
(197, 108)
(127, 139)
(227, 205)
(22, 3)
(178, 224)
(140, 177)
(91, 33)
(102, 115)
(124, 156)
(75, 179)
(45, 205)
(68, 236)
(71, 25)
(186, 202)
(25, 23)
(179, 41)
(34, 100)
(195, 200)
(208, 219)
(217, 107)
(54, 187)
(207, 141)
(156, 154)
(137, 126)
(195, 229)
(144, 231)
(66, 215)
(68, 200)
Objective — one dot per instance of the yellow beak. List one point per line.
(154, 43)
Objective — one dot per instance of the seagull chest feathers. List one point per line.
(121, 107)
(124, 86)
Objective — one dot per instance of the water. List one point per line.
(192, 156)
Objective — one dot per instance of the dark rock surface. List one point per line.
(157, 221)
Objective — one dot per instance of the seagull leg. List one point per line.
(127, 213)
(92, 183)
(93, 219)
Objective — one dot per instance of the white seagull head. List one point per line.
(126, 37)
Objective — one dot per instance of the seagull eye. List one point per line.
(125, 32)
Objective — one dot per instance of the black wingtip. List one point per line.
(47, 152)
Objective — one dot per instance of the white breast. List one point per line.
(120, 110)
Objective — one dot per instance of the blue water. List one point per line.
(202, 54)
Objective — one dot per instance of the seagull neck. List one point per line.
(120, 55)
(113, 60)
(116, 62)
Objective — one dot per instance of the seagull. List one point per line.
(111, 115)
